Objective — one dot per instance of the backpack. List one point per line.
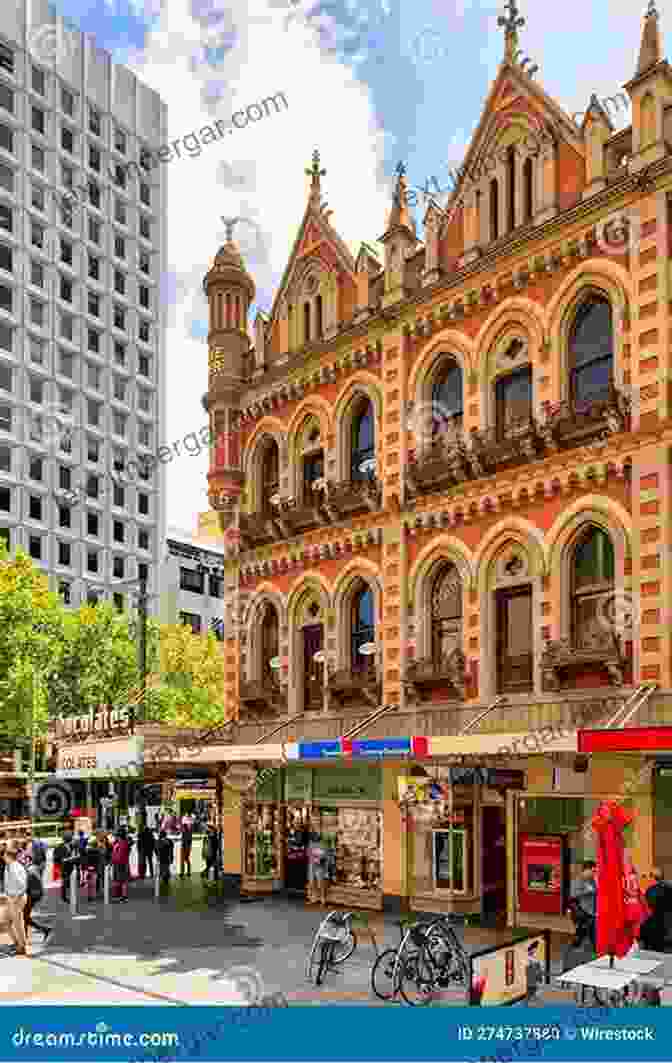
(34, 887)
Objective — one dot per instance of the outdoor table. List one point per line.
(627, 963)
(592, 976)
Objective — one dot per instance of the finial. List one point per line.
(652, 10)
(650, 51)
(511, 22)
(228, 225)
(315, 172)
(401, 169)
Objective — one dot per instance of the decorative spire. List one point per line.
(315, 173)
(229, 224)
(650, 51)
(511, 22)
(400, 214)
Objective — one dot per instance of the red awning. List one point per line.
(627, 739)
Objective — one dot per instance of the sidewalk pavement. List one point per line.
(192, 947)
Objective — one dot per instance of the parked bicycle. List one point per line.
(334, 943)
(386, 971)
(441, 961)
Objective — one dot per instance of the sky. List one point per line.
(368, 84)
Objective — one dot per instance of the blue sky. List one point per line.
(367, 83)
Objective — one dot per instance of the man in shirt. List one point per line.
(583, 908)
(16, 884)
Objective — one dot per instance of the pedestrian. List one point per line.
(583, 905)
(121, 866)
(39, 855)
(165, 851)
(187, 839)
(34, 894)
(210, 850)
(92, 862)
(534, 973)
(15, 890)
(66, 859)
(317, 870)
(636, 910)
(656, 932)
(146, 848)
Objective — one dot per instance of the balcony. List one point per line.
(263, 696)
(350, 686)
(293, 516)
(519, 441)
(429, 674)
(443, 463)
(573, 423)
(351, 497)
(596, 651)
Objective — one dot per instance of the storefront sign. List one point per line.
(194, 795)
(500, 975)
(102, 760)
(495, 778)
(299, 784)
(628, 739)
(320, 750)
(94, 723)
(377, 747)
(361, 782)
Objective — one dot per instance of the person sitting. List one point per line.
(655, 933)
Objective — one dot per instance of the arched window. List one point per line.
(446, 605)
(362, 629)
(494, 209)
(592, 579)
(528, 189)
(513, 401)
(270, 645)
(363, 441)
(447, 398)
(270, 476)
(511, 185)
(591, 352)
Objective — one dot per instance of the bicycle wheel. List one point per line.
(416, 984)
(326, 948)
(447, 955)
(382, 975)
(343, 950)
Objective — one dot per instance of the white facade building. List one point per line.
(82, 331)
(192, 584)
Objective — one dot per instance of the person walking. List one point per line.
(210, 850)
(146, 849)
(16, 884)
(39, 855)
(317, 871)
(121, 866)
(583, 906)
(165, 850)
(34, 894)
(187, 838)
(66, 858)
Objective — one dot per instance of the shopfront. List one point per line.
(340, 802)
(103, 779)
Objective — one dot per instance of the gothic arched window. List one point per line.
(592, 579)
(591, 351)
(270, 475)
(363, 441)
(528, 189)
(270, 644)
(494, 209)
(446, 606)
(447, 398)
(362, 628)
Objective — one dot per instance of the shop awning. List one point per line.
(627, 740)
(524, 744)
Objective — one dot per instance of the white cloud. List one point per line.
(256, 172)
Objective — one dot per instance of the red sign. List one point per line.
(627, 739)
(541, 874)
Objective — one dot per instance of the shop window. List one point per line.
(362, 628)
(446, 614)
(270, 476)
(353, 840)
(591, 352)
(513, 401)
(262, 837)
(514, 640)
(592, 578)
(362, 464)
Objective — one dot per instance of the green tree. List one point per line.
(188, 689)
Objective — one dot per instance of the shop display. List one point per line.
(261, 840)
(442, 847)
(354, 836)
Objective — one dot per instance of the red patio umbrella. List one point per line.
(614, 932)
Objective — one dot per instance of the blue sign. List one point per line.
(320, 750)
(381, 747)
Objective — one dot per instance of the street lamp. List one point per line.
(143, 599)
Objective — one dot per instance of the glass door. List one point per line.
(442, 878)
(313, 671)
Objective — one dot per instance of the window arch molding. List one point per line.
(310, 590)
(258, 464)
(443, 565)
(253, 458)
(351, 582)
(518, 319)
(263, 602)
(313, 408)
(422, 576)
(346, 409)
(610, 282)
(424, 412)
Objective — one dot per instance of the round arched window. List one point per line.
(591, 352)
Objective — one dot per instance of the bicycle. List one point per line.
(386, 971)
(441, 961)
(334, 943)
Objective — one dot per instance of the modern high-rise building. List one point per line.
(82, 367)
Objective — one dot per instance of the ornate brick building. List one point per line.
(450, 513)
